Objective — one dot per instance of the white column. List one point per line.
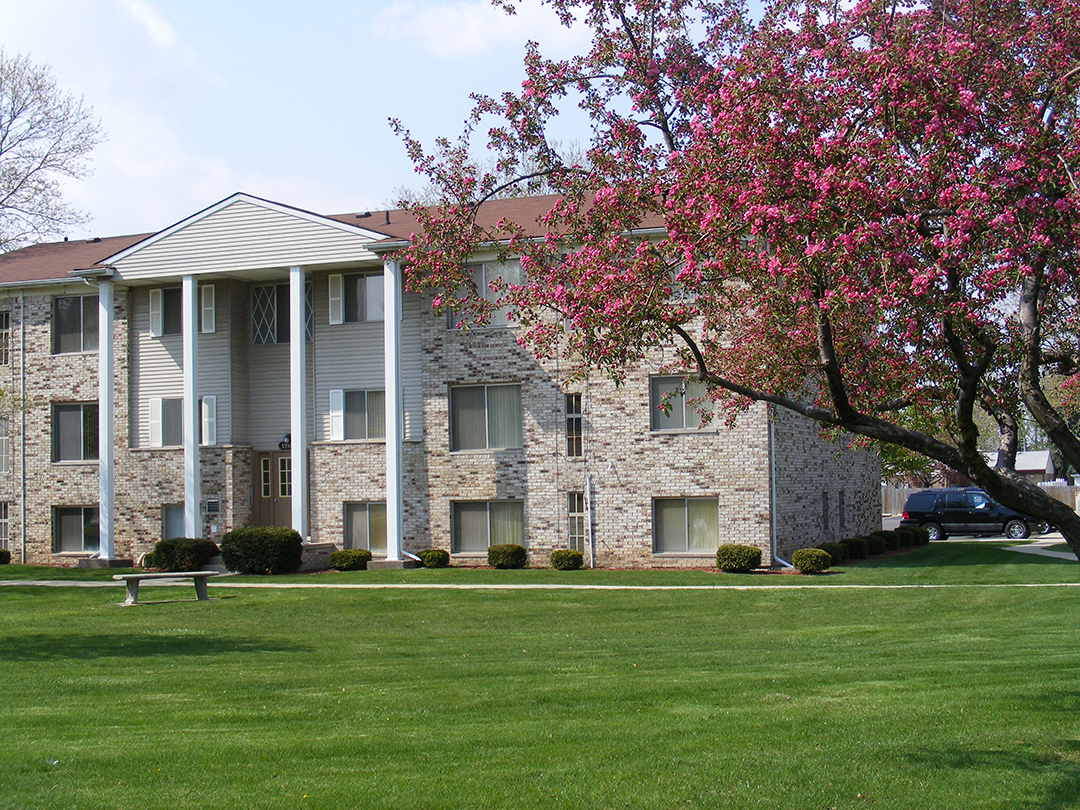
(394, 412)
(192, 489)
(298, 398)
(106, 550)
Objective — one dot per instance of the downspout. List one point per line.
(589, 520)
(772, 494)
(22, 430)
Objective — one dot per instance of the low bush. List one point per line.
(183, 554)
(736, 558)
(892, 540)
(349, 559)
(876, 543)
(147, 560)
(922, 536)
(262, 550)
(5, 556)
(566, 559)
(434, 558)
(858, 548)
(507, 555)
(838, 552)
(907, 536)
(811, 560)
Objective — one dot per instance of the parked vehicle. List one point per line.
(966, 511)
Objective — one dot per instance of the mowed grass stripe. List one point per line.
(437, 698)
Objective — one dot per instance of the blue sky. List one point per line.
(283, 100)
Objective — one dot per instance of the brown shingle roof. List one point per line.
(55, 260)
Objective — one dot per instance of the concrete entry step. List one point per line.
(94, 562)
(381, 565)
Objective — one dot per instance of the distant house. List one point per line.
(1035, 465)
(257, 364)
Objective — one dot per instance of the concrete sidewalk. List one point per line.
(1040, 547)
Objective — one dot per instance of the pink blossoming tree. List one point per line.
(864, 214)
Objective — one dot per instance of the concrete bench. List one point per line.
(133, 580)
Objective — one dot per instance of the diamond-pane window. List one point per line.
(264, 314)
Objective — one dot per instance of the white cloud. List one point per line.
(475, 28)
(159, 30)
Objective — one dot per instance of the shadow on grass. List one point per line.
(49, 646)
(1058, 772)
(959, 554)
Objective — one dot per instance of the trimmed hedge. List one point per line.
(876, 543)
(349, 559)
(858, 548)
(434, 558)
(182, 554)
(737, 558)
(811, 560)
(566, 559)
(507, 555)
(5, 556)
(262, 550)
(838, 552)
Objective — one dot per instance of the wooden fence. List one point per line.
(892, 498)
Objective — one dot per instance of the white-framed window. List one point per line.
(485, 276)
(686, 525)
(677, 403)
(356, 297)
(5, 338)
(357, 415)
(167, 310)
(75, 324)
(575, 447)
(575, 521)
(5, 524)
(167, 421)
(365, 527)
(485, 417)
(270, 314)
(479, 524)
(75, 529)
(172, 520)
(5, 446)
(74, 431)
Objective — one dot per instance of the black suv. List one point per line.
(965, 511)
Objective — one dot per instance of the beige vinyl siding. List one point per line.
(350, 357)
(239, 314)
(245, 236)
(157, 367)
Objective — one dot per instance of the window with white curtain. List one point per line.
(75, 529)
(365, 527)
(355, 297)
(357, 415)
(75, 324)
(685, 525)
(677, 403)
(479, 524)
(485, 417)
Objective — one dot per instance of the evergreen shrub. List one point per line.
(434, 557)
(811, 560)
(182, 554)
(5, 556)
(507, 555)
(838, 552)
(349, 559)
(262, 550)
(565, 559)
(733, 557)
(858, 548)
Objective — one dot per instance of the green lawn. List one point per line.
(962, 697)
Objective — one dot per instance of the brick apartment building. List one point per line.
(238, 368)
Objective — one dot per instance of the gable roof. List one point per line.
(55, 261)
